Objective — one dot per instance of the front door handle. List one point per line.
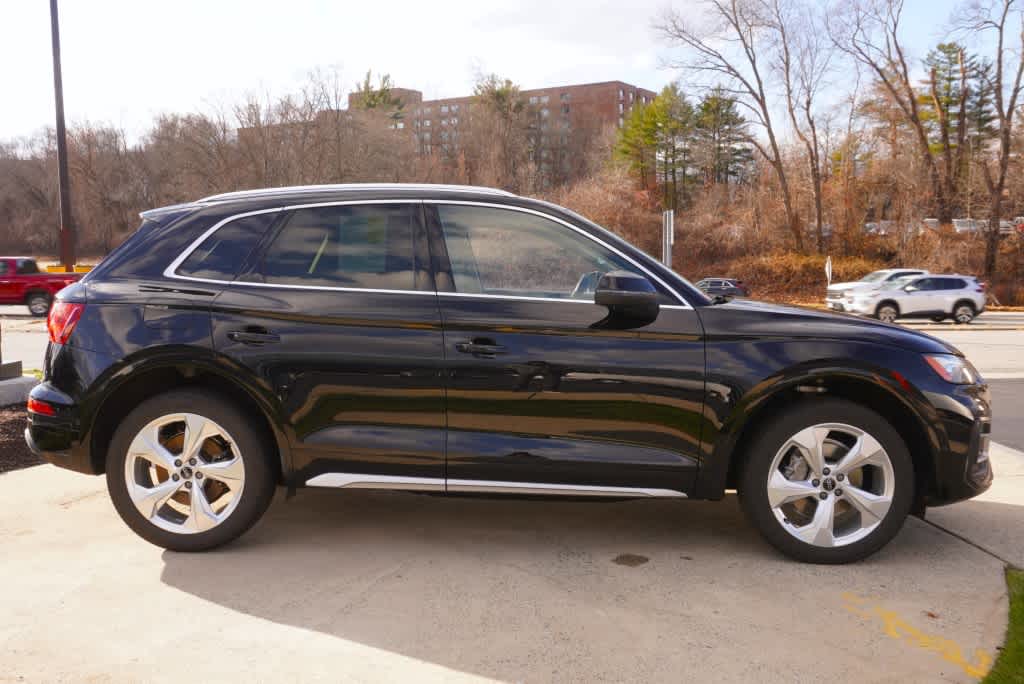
(256, 336)
(483, 348)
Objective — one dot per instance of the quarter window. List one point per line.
(512, 253)
(356, 246)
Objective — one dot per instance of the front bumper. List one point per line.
(962, 470)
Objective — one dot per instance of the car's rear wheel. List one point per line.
(828, 482)
(38, 303)
(963, 313)
(188, 471)
(887, 312)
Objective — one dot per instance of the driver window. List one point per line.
(505, 252)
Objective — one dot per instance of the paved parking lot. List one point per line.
(387, 586)
(394, 586)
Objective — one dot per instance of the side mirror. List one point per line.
(631, 299)
(910, 288)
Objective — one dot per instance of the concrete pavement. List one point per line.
(372, 586)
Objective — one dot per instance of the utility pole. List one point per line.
(67, 227)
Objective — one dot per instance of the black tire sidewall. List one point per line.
(259, 485)
(44, 297)
(761, 453)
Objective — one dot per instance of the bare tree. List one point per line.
(732, 46)
(869, 31)
(1004, 19)
(804, 58)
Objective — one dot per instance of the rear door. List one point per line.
(541, 396)
(947, 292)
(337, 317)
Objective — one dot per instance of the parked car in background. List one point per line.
(22, 282)
(933, 296)
(458, 340)
(837, 293)
(723, 287)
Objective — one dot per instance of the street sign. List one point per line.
(668, 236)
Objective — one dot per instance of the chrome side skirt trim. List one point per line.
(365, 481)
(495, 487)
(437, 484)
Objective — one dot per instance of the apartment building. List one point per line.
(565, 117)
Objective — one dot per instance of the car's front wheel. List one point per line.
(188, 471)
(887, 312)
(828, 482)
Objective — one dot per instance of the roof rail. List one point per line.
(307, 189)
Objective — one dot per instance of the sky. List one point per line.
(126, 61)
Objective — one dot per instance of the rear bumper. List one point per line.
(56, 439)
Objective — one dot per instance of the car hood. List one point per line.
(751, 318)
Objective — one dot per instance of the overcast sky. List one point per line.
(127, 60)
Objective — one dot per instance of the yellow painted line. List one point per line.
(898, 628)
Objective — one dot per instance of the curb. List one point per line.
(15, 390)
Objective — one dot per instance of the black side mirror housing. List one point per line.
(631, 299)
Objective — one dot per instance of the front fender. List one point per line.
(735, 404)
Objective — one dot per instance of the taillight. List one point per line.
(40, 407)
(62, 320)
(982, 287)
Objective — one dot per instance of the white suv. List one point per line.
(835, 296)
(923, 296)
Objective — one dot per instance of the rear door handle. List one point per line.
(254, 337)
(481, 348)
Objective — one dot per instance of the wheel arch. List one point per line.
(965, 300)
(156, 377)
(892, 400)
(890, 302)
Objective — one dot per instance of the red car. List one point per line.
(21, 282)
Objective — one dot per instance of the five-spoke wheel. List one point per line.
(188, 471)
(184, 473)
(827, 481)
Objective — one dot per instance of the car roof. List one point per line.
(296, 194)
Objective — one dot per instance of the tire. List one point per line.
(853, 533)
(938, 319)
(38, 304)
(887, 312)
(236, 462)
(964, 312)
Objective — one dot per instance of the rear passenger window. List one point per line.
(354, 246)
(223, 253)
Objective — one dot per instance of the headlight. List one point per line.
(954, 369)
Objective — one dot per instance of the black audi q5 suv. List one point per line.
(451, 339)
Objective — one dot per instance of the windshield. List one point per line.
(875, 277)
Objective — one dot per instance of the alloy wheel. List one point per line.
(963, 314)
(887, 314)
(184, 473)
(831, 485)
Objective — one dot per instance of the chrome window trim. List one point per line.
(440, 484)
(170, 271)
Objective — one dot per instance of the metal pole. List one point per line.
(67, 227)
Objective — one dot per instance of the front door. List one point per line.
(541, 395)
(338, 317)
